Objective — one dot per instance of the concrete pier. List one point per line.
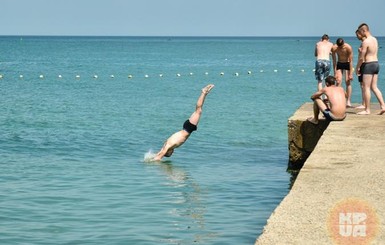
(339, 194)
(303, 136)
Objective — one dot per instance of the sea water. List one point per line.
(79, 115)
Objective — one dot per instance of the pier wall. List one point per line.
(303, 136)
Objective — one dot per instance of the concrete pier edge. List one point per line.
(343, 176)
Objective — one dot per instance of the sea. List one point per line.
(78, 115)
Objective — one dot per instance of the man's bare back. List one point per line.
(323, 49)
(337, 100)
(335, 108)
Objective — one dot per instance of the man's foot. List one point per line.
(312, 120)
(381, 112)
(363, 113)
(360, 107)
(207, 89)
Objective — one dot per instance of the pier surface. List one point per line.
(339, 193)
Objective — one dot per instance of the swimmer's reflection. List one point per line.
(187, 201)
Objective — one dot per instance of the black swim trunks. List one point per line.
(343, 66)
(370, 68)
(189, 127)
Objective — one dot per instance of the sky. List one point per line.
(190, 17)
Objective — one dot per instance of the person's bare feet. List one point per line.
(207, 89)
(312, 120)
(381, 112)
(360, 107)
(363, 113)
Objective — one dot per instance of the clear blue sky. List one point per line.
(191, 17)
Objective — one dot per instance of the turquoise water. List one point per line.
(72, 147)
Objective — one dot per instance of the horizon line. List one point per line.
(168, 36)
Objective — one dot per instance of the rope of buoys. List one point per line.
(130, 76)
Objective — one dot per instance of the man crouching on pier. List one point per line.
(334, 107)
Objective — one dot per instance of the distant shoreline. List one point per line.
(118, 36)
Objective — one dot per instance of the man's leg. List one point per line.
(339, 75)
(348, 89)
(319, 105)
(366, 81)
(362, 106)
(194, 118)
(378, 93)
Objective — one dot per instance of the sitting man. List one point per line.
(190, 125)
(334, 108)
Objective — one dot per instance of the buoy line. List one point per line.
(130, 76)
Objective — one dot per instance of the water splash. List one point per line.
(149, 156)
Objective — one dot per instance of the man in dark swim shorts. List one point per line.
(189, 126)
(368, 69)
(343, 52)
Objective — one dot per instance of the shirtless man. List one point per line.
(368, 67)
(344, 52)
(334, 109)
(190, 125)
(361, 38)
(322, 64)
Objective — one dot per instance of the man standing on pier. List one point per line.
(334, 107)
(322, 64)
(343, 65)
(368, 68)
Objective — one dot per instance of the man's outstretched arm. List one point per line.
(162, 152)
(165, 148)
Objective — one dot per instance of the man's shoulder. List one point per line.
(333, 88)
(338, 90)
